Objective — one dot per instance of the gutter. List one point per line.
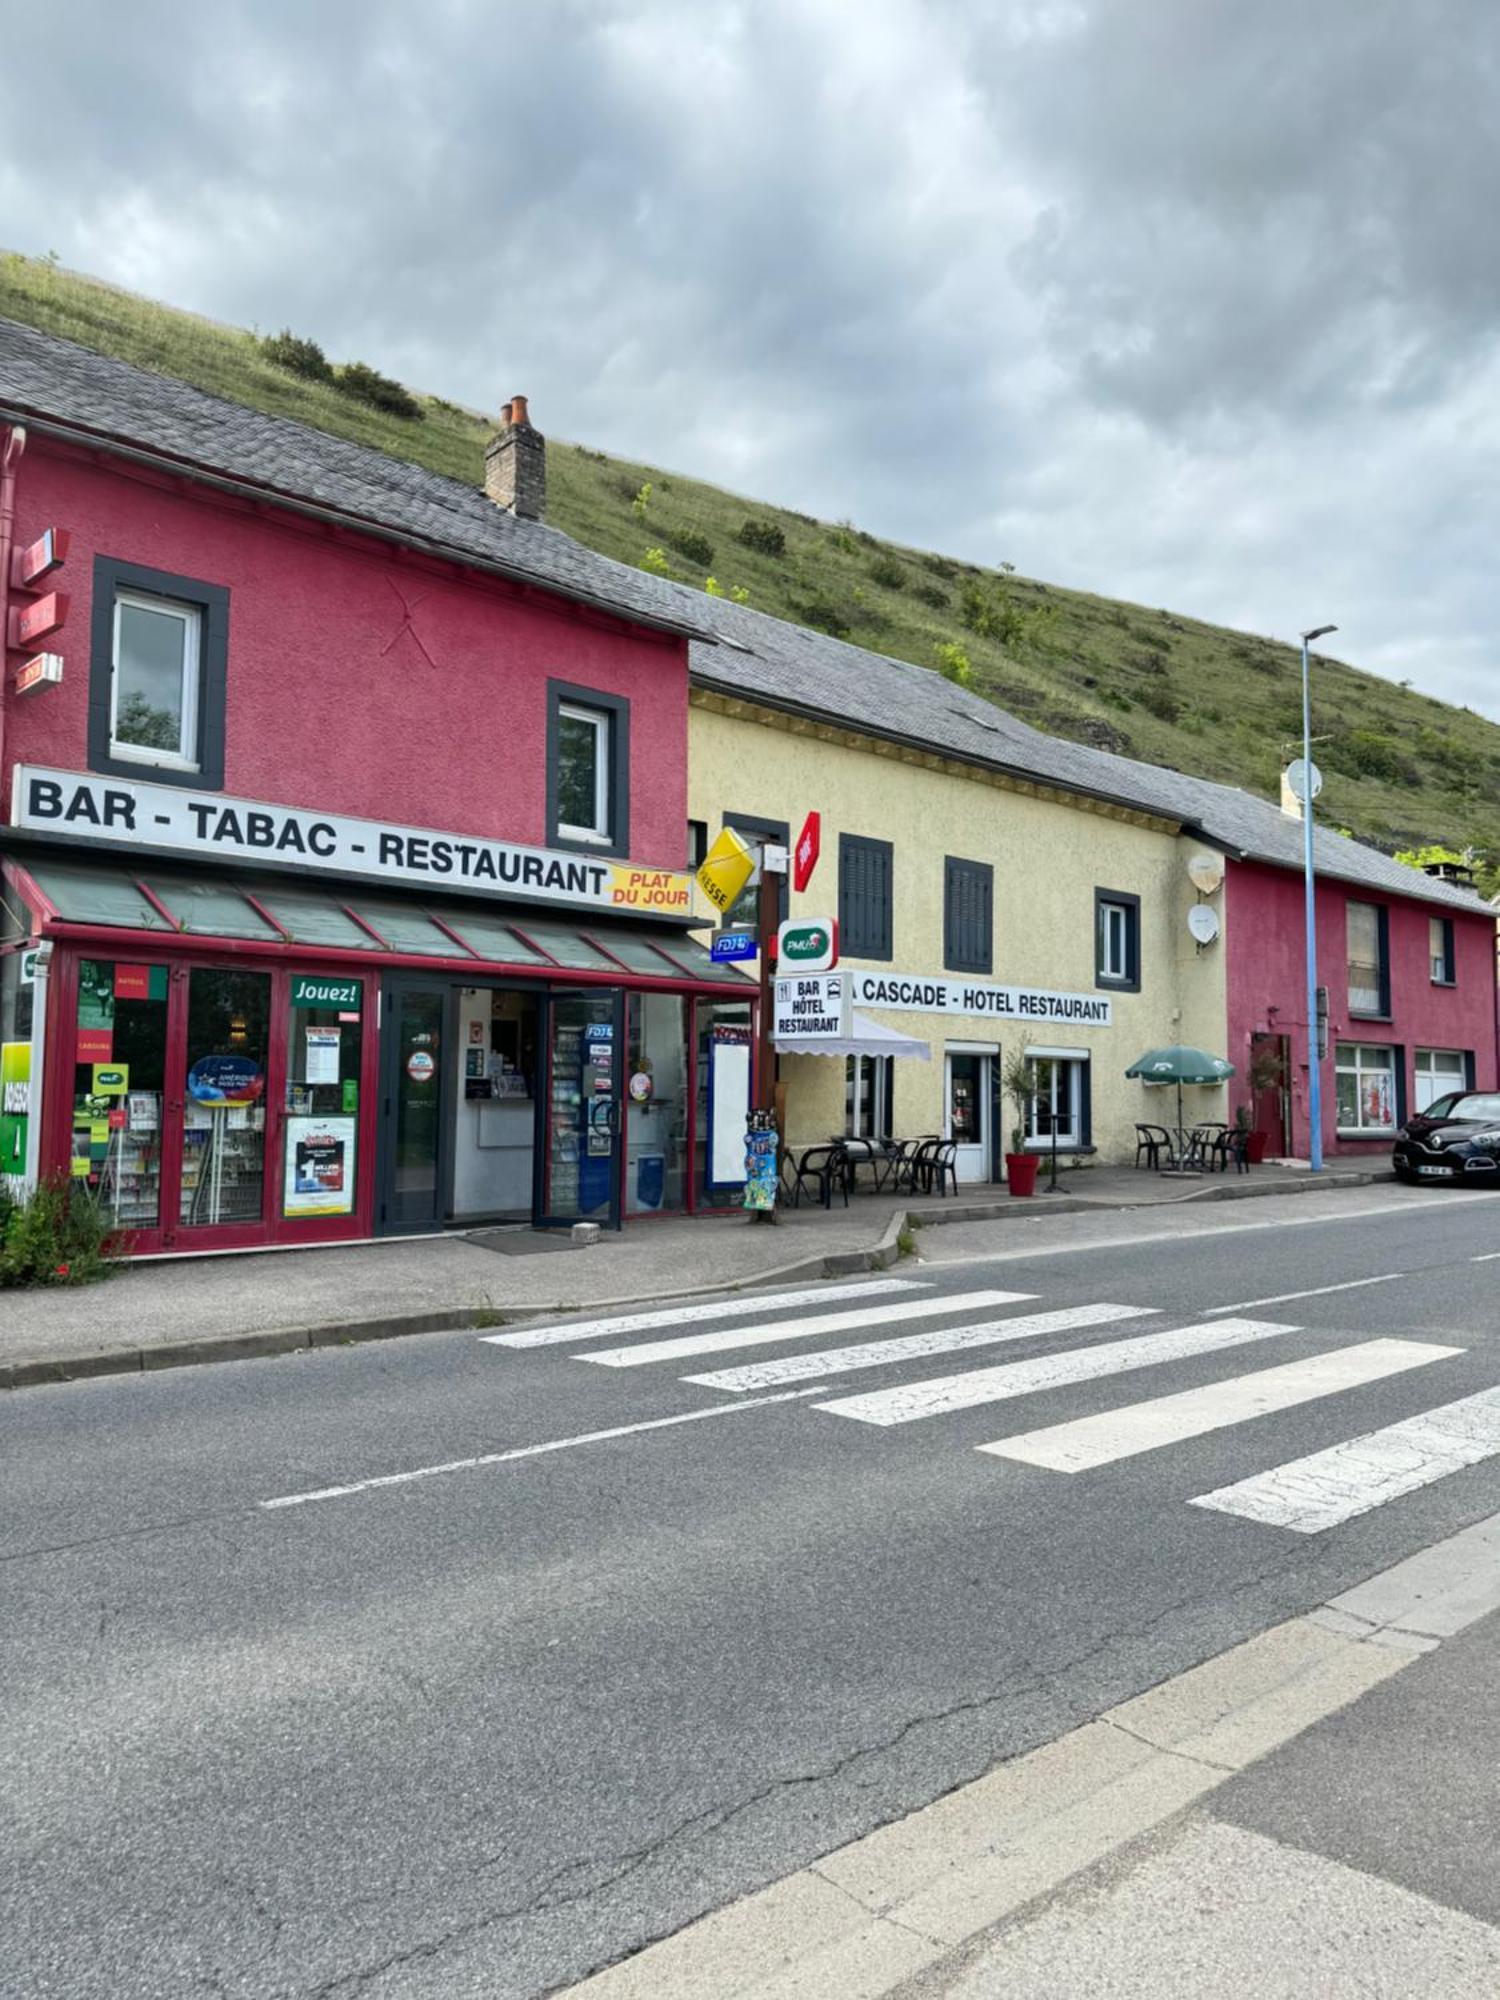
(10, 458)
(85, 438)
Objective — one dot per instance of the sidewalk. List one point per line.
(169, 1312)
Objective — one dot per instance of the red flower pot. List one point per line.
(1020, 1172)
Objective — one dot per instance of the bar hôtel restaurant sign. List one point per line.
(216, 828)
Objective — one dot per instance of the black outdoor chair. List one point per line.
(819, 1170)
(940, 1166)
(911, 1174)
(1152, 1143)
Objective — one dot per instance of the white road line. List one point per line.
(1114, 1434)
(797, 1329)
(1333, 1486)
(913, 1347)
(527, 1451)
(738, 1307)
(1315, 1292)
(1048, 1371)
(1188, 1238)
(1488, 1257)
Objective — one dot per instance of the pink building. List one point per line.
(343, 819)
(1408, 967)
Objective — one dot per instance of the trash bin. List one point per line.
(650, 1180)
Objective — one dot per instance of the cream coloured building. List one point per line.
(996, 889)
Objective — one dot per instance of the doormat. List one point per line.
(521, 1242)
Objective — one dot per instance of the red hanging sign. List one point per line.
(809, 846)
(30, 622)
(47, 552)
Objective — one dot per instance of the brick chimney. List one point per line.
(515, 464)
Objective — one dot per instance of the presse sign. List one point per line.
(213, 827)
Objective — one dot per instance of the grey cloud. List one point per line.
(1175, 299)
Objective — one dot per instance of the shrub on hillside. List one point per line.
(763, 536)
(299, 357)
(368, 385)
(824, 617)
(694, 545)
(888, 573)
(954, 664)
(929, 594)
(655, 560)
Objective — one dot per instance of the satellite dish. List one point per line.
(1206, 872)
(1203, 922)
(1294, 777)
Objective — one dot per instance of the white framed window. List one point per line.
(1114, 941)
(1058, 1090)
(1365, 1080)
(155, 676)
(867, 1096)
(1439, 1073)
(583, 772)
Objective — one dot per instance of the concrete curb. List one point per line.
(900, 1911)
(880, 1256)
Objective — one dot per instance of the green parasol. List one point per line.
(1179, 1064)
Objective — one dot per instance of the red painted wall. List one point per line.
(361, 680)
(1266, 973)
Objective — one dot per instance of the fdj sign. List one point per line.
(808, 944)
(308, 991)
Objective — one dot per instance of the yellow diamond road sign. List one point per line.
(727, 867)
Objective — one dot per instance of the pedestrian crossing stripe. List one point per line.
(943, 1393)
(916, 1346)
(743, 1306)
(1088, 1442)
(1325, 1489)
(775, 1331)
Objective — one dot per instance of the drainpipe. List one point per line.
(10, 458)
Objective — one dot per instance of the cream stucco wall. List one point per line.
(1048, 855)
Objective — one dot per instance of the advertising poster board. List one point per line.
(319, 1171)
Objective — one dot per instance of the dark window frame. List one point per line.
(617, 708)
(853, 943)
(772, 833)
(982, 960)
(211, 602)
(1122, 899)
(1383, 947)
(1450, 953)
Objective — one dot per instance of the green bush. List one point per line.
(59, 1235)
(888, 573)
(655, 560)
(954, 664)
(368, 385)
(299, 357)
(764, 536)
(929, 594)
(825, 617)
(694, 545)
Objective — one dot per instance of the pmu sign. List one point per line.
(808, 944)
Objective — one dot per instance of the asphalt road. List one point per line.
(481, 1731)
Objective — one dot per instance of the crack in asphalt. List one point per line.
(542, 1900)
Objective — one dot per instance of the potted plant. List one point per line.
(1017, 1084)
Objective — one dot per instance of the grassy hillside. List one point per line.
(1402, 768)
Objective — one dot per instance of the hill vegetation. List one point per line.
(1402, 769)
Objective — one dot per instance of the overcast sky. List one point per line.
(1187, 301)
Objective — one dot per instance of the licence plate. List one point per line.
(1437, 1173)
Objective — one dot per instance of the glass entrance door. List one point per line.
(224, 1104)
(581, 1178)
(413, 1097)
(968, 1112)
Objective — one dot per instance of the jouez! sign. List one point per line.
(211, 827)
(937, 993)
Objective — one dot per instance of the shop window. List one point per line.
(320, 1155)
(866, 882)
(697, 842)
(588, 768)
(119, 1076)
(724, 1072)
(1440, 951)
(968, 916)
(1365, 1078)
(1368, 934)
(1060, 1092)
(656, 1108)
(159, 647)
(224, 1107)
(1440, 1073)
(1117, 940)
(867, 1096)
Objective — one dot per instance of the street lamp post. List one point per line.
(1309, 885)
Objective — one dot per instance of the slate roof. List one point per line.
(43, 377)
(790, 667)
